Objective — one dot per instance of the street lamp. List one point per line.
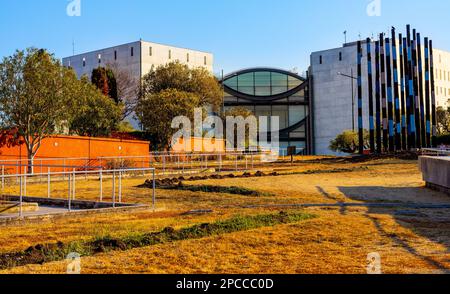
(353, 94)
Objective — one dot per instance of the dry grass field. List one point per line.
(337, 240)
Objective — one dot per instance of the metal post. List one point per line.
(154, 192)
(25, 181)
(101, 185)
(3, 177)
(21, 197)
(114, 189)
(164, 164)
(73, 184)
(120, 186)
(48, 182)
(69, 194)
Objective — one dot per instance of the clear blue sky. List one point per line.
(240, 33)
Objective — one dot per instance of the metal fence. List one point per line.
(435, 151)
(165, 163)
(43, 183)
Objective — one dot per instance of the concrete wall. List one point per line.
(62, 147)
(163, 54)
(436, 172)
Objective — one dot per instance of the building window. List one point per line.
(150, 51)
(115, 55)
(205, 61)
(340, 56)
(320, 59)
(84, 62)
(99, 58)
(170, 54)
(132, 51)
(187, 57)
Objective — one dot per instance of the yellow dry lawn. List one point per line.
(337, 241)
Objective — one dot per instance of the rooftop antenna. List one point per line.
(345, 37)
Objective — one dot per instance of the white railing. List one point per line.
(436, 151)
(116, 176)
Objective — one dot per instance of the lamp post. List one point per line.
(353, 94)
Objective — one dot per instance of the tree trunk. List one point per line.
(30, 167)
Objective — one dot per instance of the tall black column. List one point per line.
(433, 98)
(423, 140)
(383, 96)
(416, 90)
(378, 97)
(402, 92)
(360, 112)
(398, 123)
(411, 118)
(407, 92)
(370, 86)
(389, 95)
(427, 94)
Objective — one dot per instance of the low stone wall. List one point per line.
(436, 172)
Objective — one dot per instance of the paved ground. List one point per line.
(43, 210)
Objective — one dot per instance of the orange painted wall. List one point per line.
(199, 145)
(64, 147)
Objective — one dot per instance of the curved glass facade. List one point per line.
(273, 92)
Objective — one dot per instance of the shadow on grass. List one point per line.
(420, 222)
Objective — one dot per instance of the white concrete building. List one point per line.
(136, 59)
(332, 90)
(442, 78)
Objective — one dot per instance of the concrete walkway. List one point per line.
(43, 210)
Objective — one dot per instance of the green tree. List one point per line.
(95, 114)
(179, 76)
(35, 94)
(443, 121)
(104, 79)
(156, 112)
(348, 142)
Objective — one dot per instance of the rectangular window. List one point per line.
(340, 56)
(150, 51)
(204, 61)
(170, 54)
(115, 54)
(187, 57)
(320, 59)
(84, 62)
(132, 51)
(99, 58)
